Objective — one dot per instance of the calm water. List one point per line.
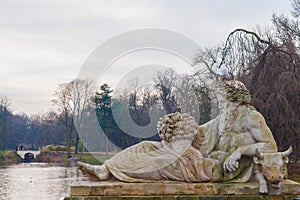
(37, 181)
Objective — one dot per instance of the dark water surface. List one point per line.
(37, 181)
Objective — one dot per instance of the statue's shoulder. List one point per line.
(254, 117)
(253, 113)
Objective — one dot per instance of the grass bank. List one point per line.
(56, 155)
(9, 157)
(62, 158)
(94, 159)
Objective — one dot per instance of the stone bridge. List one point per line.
(28, 154)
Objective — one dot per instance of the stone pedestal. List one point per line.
(115, 190)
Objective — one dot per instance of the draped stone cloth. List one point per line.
(152, 161)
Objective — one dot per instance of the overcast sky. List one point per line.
(45, 42)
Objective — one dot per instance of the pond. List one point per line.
(40, 181)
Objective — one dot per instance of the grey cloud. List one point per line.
(45, 42)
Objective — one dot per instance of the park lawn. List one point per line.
(92, 159)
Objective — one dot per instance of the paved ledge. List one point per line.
(111, 190)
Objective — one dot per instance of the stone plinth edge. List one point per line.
(177, 190)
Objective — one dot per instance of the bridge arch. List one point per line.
(29, 157)
(28, 153)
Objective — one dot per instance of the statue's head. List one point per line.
(233, 91)
(229, 89)
(176, 126)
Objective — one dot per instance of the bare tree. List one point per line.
(4, 112)
(140, 100)
(186, 95)
(296, 8)
(62, 99)
(165, 83)
(136, 99)
(205, 66)
(275, 83)
(206, 63)
(206, 105)
(80, 101)
(268, 63)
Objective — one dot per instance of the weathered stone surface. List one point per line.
(220, 150)
(169, 190)
(189, 197)
(206, 189)
(289, 187)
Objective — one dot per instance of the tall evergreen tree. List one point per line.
(103, 110)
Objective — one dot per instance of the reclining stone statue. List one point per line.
(220, 150)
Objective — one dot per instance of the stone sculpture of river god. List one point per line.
(236, 146)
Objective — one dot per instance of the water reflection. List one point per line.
(37, 181)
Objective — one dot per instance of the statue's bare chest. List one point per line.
(230, 141)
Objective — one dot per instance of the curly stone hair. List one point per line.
(236, 91)
(176, 125)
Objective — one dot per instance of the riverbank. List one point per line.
(9, 157)
(59, 158)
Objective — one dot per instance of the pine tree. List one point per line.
(103, 110)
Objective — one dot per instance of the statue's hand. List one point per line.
(231, 163)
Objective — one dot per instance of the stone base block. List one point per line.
(167, 190)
